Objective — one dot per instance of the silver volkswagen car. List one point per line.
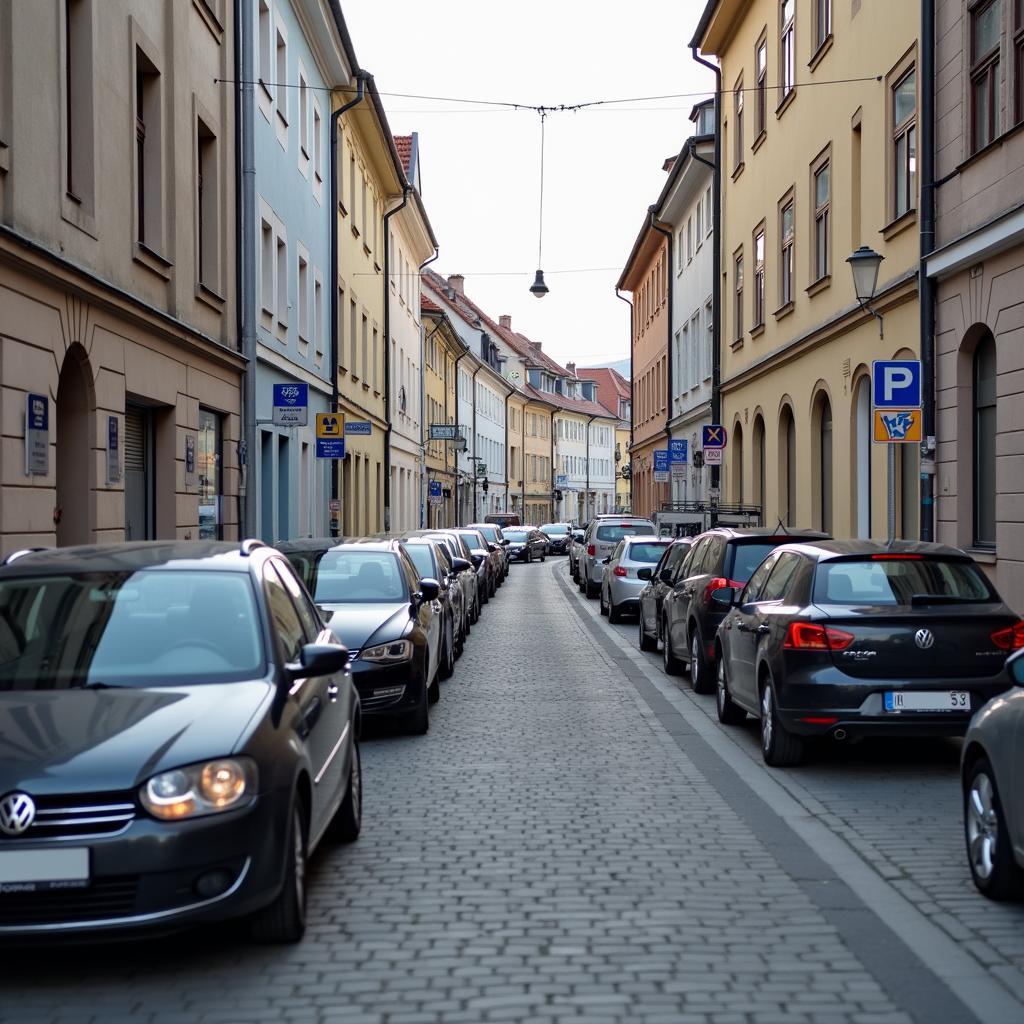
(621, 586)
(602, 535)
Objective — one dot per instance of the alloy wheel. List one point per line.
(299, 853)
(695, 678)
(721, 696)
(982, 826)
(766, 718)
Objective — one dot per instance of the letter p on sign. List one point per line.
(896, 383)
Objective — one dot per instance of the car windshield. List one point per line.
(128, 629)
(646, 551)
(422, 558)
(352, 577)
(747, 557)
(490, 532)
(882, 580)
(612, 533)
(516, 536)
(474, 539)
(555, 529)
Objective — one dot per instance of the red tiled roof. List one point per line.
(611, 385)
(580, 405)
(428, 305)
(403, 143)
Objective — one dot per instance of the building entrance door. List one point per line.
(138, 473)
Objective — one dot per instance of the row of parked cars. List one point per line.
(180, 721)
(816, 637)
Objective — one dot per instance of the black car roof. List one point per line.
(339, 543)
(829, 549)
(758, 532)
(225, 556)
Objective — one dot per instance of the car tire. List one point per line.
(348, 822)
(614, 615)
(542, 557)
(602, 607)
(284, 920)
(419, 720)
(729, 713)
(447, 668)
(989, 850)
(700, 670)
(529, 557)
(779, 747)
(673, 666)
(591, 590)
(646, 643)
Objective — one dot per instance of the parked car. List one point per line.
(690, 616)
(621, 583)
(166, 708)
(859, 638)
(575, 548)
(387, 615)
(559, 536)
(526, 544)
(493, 559)
(504, 519)
(468, 574)
(659, 581)
(992, 765)
(602, 535)
(493, 535)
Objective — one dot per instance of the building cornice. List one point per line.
(1002, 232)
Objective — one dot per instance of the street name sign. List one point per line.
(362, 428)
(444, 432)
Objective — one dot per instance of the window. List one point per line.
(700, 219)
(904, 119)
(318, 314)
(303, 116)
(689, 239)
(737, 307)
(318, 145)
(208, 468)
(148, 170)
(207, 207)
(759, 276)
(822, 22)
(282, 77)
(761, 71)
(365, 375)
(986, 32)
(821, 189)
(787, 467)
(824, 466)
(352, 190)
(738, 129)
(786, 261)
(267, 266)
(78, 99)
(787, 47)
(353, 316)
(265, 51)
(1018, 61)
(282, 280)
(303, 297)
(286, 621)
(709, 339)
(708, 211)
(783, 572)
(985, 442)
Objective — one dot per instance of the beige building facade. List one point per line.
(818, 159)
(978, 269)
(118, 341)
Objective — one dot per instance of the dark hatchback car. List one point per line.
(860, 638)
(526, 544)
(462, 564)
(178, 733)
(690, 616)
(559, 537)
(660, 581)
(387, 615)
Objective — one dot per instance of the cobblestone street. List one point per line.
(577, 839)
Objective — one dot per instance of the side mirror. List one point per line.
(461, 564)
(1015, 666)
(505, 542)
(429, 590)
(724, 595)
(318, 660)
(492, 547)
(605, 561)
(477, 557)
(645, 574)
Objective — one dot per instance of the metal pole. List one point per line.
(891, 462)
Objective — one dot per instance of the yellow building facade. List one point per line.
(623, 501)
(537, 478)
(818, 144)
(370, 181)
(441, 349)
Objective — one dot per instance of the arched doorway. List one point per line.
(736, 447)
(787, 466)
(759, 464)
(74, 459)
(862, 457)
(822, 467)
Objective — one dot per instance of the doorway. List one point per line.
(74, 459)
(139, 484)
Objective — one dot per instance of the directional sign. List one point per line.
(330, 435)
(291, 405)
(714, 435)
(678, 451)
(361, 427)
(897, 426)
(896, 383)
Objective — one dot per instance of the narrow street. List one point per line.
(575, 839)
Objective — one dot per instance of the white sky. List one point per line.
(480, 166)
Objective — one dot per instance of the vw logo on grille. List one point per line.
(17, 812)
(924, 639)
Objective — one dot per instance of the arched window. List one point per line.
(787, 467)
(736, 444)
(759, 463)
(824, 467)
(985, 442)
(862, 457)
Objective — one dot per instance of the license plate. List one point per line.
(931, 700)
(36, 870)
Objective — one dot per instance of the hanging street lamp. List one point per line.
(864, 264)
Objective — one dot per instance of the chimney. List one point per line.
(505, 322)
(535, 345)
(457, 283)
(571, 367)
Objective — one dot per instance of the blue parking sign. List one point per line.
(661, 460)
(896, 383)
(678, 451)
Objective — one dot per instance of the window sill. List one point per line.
(355, 231)
(784, 310)
(376, 266)
(986, 556)
(757, 330)
(759, 141)
(786, 102)
(366, 249)
(342, 209)
(282, 118)
(152, 260)
(985, 150)
(210, 297)
(819, 286)
(819, 54)
(736, 345)
(74, 212)
(209, 16)
(738, 170)
(268, 313)
(266, 90)
(899, 225)
(304, 151)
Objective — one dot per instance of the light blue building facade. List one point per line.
(297, 58)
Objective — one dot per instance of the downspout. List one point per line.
(245, 254)
(406, 191)
(335, 264)
(629, 454)
(522, 463)
(507, 397)
(475, 459)
(554, 512)
(926, 286)
(424, 428)
(656, 225)
(716, 268)
(586, 492)
(455, 473)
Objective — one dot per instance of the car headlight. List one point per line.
(198, 789)
(397, 650)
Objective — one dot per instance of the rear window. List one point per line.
(747, 557)
(490, 532)
(554, 529)
(901, 582)
(355, 577)
(645, 552)
(517, 536)
(610, 533)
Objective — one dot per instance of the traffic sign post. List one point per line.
(330, 435)
(896, 416)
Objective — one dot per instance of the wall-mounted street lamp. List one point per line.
(864, 264)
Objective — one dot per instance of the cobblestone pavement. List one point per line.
(574, 840)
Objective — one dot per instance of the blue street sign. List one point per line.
(330, 447)
(291, 404)
(896, 383)
(714, 435)
(661, 460)
(434, 490)
(678, 451)
(363, 427)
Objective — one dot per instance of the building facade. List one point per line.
(442, 350)
(613, 393)
(801, 161)
(118, 317)
(978, 267)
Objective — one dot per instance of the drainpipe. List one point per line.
(455, 474)
(424, 441)
(926, 286)
(522, 464)
(657, 226)
(586, 492)
(507, 397)
(406, 190)
(475, 459)
(554, 512)
(629, 454)
(716, 267)
(361, 77)
(245, 253)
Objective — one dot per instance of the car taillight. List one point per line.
(619, 571)
(1011, 638)
(809, 636)
(591, 550)
(717, 583)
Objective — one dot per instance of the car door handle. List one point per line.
(332, 691)
(762, 629)
(310, 717)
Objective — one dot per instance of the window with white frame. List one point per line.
(787, 47)
(282, 279)
(281, 50)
